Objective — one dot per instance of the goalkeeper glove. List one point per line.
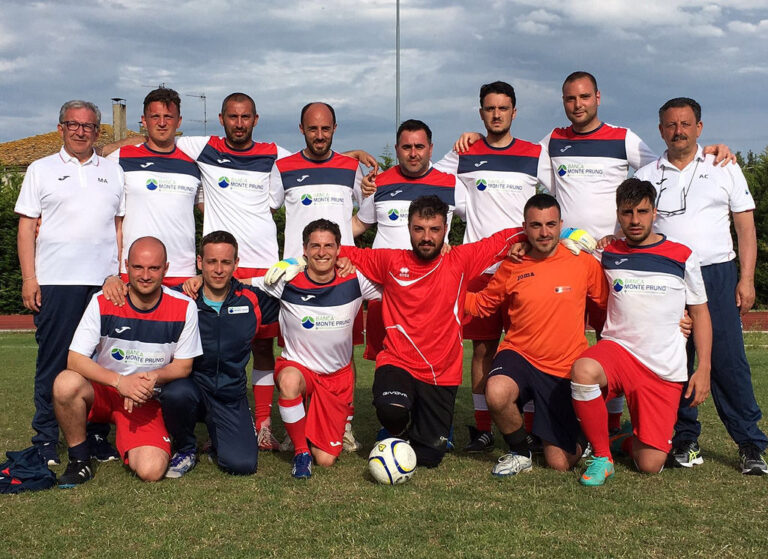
(286, 269)
(577, 240)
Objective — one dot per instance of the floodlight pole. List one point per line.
(397, 67)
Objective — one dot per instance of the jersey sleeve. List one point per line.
(739, 197)
(29, 202)
(481, 254)
(189, 344)
(373, 263)
(638, 152)
(449, 163)
(276, 190)
(484, 303)
(114, 157)
(282, 152)
(192, 145)
(370, 291)
(460, 200)
(695, 293)
(544, 171)
(357, 190)
(367, 211)
(275, 290)
(88, 333)
(121, 204)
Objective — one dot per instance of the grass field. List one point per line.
(457, 510)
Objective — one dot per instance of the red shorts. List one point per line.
(652, 401)
(266, 331)
(144, 426)
(489, 327)
(331, 400)
(374, 331)
(357, 331)
(168, 281)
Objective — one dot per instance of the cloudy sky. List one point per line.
(287, 53)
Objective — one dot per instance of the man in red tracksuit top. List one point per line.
(419, 370)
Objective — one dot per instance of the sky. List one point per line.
(285, 54)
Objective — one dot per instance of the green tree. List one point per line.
(755, 167)
(10, 272)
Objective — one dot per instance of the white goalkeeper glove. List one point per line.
(286, 269)
(577, 240)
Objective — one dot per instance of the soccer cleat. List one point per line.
(101, 450)
(617, 438)
(599, 468)
(751, 460)
(534, 443)
(587, 450)
(47, 452)
(77, 472)
(512, 464)
(181, 463)
(302, 466)
(479, 441)
(267, 440)
(687, 454)
(349, 442)
(450, 446)
(287, 444)
(383, 434)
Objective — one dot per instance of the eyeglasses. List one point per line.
(683, 204)
(72, 126)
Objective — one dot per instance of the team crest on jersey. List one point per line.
(325, 322)
(117, 354)
(393, 214)
(404, 272)
(481, 184)
(306, 199)
(581, 170)
(223, 182)
(645, 286)
(152, 184)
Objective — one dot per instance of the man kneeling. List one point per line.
(136, 348)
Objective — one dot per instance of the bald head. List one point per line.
(152, 245)
(318, 123)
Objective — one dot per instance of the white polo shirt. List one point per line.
(77, 203)
(694, 204)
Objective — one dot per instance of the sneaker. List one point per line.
(479, 441)
(687, 454)
(77, 472)
(101, 450)
(751, 460)
(534, 443)
(587, 451)
(287, 444)
(383, 434)
(349, 442)
(181, 463)
(267, 440)
(599, 468)
(617, 438)
(512, 464)
(450, 445)
(48, 453)
(302, 466)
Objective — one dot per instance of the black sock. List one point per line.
(80, 452)
(518, 442)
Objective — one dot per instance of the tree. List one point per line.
(755, 167)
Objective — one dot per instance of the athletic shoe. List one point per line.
(383, 434)
(77, 472)
(450, 445)
(48, 453)
(599, 468)
(287, 444)
(479, 441)
(534, 443)
(181, 463)
(751, 460)
(587, 451)
(101, 450)
(302, 466)
(267, 440)
(687, 454)
(617, 438)
(512, 464)
(349, 442)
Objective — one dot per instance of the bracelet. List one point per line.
(28, 278)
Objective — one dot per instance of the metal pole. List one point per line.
(397, 68)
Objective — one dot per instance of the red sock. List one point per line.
(483, 420)
(627, 446)
(593, 416)
(614, 421)
(262, 402)
(294, 420)
(528, 421)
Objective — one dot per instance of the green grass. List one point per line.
(457, 510)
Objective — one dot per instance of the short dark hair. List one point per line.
(218, 237)
(164, 95)
(679, 103)
(428, 207)
(321, 225)
(541, 201)
(413, 125)
(238, 97)
(633, 191)
(573, 76)
(503, 88)
(308, 105)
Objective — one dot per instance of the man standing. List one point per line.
(119, 358)
(77, 195)
(653, 280)
(546, 295)
(695, 201)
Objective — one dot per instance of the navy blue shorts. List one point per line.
(554, 421)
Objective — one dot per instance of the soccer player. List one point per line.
(317, 314)
(653, 280)
(77, 195)
(696, 200)
(418, 371)
(119, 358)
(229, 314)
(546, 295)
(500, 173)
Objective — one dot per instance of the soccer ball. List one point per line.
(392, 461)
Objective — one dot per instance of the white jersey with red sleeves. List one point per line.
(587, 168)
(498, 183)
(127, 340)
(237, 194)
(695, 204)
(160, 194)
(650, 287)
(423, 303)
(388, 206)
(316, 319)
(313, 190)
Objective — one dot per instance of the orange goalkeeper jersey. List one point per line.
(546, 306)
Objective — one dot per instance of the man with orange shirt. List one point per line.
(546, 295)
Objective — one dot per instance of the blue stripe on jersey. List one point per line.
(616, 149)
(643, 262)
(498, 162)
(139, 330)
(332, 295)
(260, 163)
(318, 175)
(160, 165)
(411, 190)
